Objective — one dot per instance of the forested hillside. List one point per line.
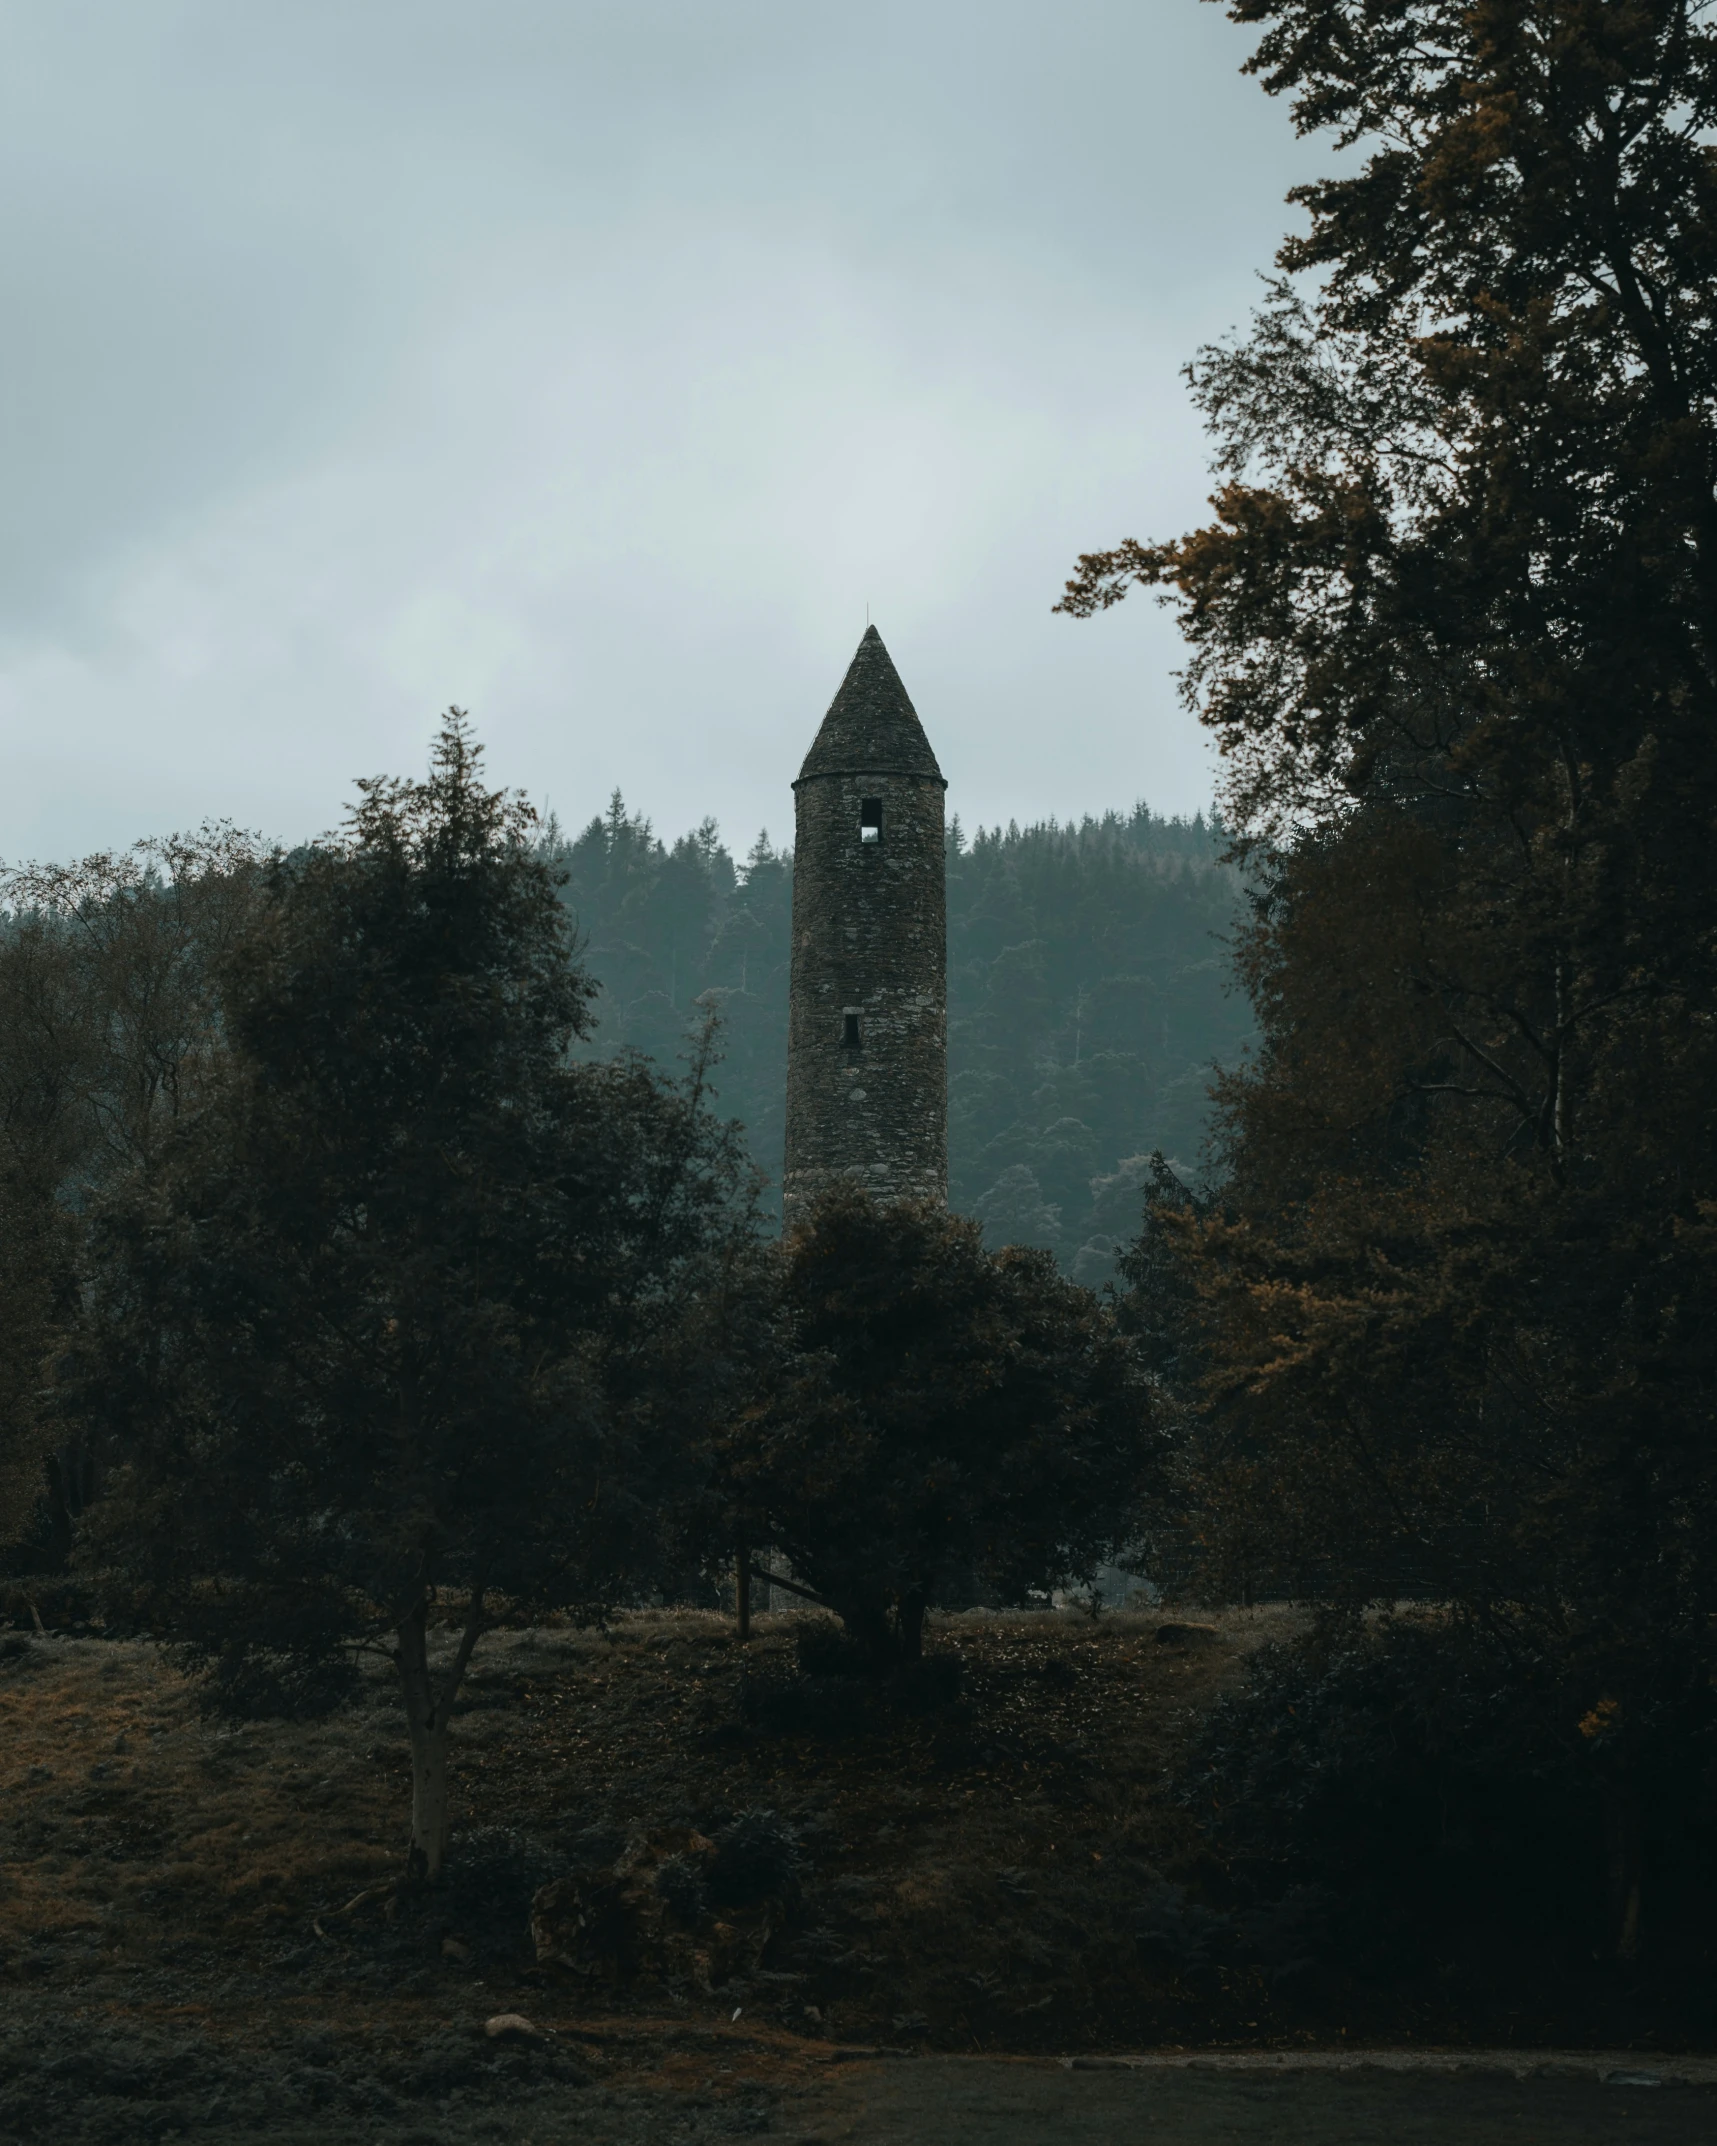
(1088, 999)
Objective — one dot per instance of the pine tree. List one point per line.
(380, 1325)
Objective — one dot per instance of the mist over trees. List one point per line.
(1090, 999)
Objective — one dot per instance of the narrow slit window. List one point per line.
(850, 1037)
(870, 820)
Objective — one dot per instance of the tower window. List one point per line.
(850, 1037)
(870, 820)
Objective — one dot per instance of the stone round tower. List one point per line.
(867, 1037)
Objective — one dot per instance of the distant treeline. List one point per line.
(1088, 999)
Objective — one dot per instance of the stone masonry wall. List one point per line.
(870, 935)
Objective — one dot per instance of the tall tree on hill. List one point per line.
(933, 1414)
(1453, 626)
(380, 1317)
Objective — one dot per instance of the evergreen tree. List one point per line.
(931, 1414)
(380, 1323)
(1089, 1008)
(1088, 998)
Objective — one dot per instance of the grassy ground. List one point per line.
(196, 1936)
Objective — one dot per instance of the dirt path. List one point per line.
(955, 2101)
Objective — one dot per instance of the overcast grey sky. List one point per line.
(594, 363)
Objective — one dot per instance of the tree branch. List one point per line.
(475, 1627)
(775, 1579)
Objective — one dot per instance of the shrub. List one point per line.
(943, 1419)
(756, 1858)
(1417, 1778)
(823, 1649)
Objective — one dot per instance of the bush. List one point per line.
(486, 1893)
(928, 1685)
(680, 1881)
(65, 1602)
(823, 1649)
(943, 1423)
(756, 1858)
(829, 1707)
(270, 1684)
(1406, 1783)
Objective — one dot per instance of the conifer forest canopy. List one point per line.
(1090, 1001)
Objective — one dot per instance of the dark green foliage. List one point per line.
(823, 1648)
(1177, 1933)
(385, 1312)
(937, 1413)
(669, 934)
(1160, 1294)
(1454, 1315)
(1087, 1000)
(107, 1030)
(377, 1247)
(680, 1881)
(43, 1052)
(1433, 1788)
(38, 1267)
(830, 1708)
(756, 1858)
(484, 1901)
(1089, 1003)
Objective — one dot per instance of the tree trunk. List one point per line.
(430, 1816)
(72, 1480)
(1625, 1858)
(61, 1521)
(428, 1716)
(869, 1625)
(742, 1590)
(912, 1625)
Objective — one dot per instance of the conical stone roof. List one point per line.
(872, 727)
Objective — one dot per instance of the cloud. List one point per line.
(596, 367)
